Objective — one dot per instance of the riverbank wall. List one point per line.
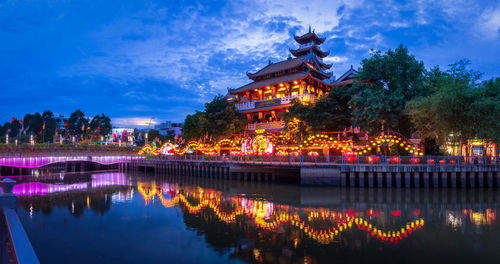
(363, 176)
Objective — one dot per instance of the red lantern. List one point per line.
(453, 161)
(66, 124)
(442, 161)
(394, 159)
(431, 161)
(373, 159)
(414, 160)
(351, 158)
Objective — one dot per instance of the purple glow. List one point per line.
(36, 162)
(98, 180)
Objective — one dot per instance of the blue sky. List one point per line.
(133, 60)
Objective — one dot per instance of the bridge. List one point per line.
(36, 161)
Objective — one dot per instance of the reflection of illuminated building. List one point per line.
(322, 225)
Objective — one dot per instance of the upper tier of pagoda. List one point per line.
(309, 37)
(308, 59)
(309, 43)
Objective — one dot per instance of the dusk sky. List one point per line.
(133, 60)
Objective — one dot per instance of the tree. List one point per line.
(100, 125)
(220, 119)
(330, 113)
(458, 108)
(387, 82)
(485, 110)
(77, 124)
(191, 128)
(15, 128)
(49, 125)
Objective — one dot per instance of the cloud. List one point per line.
(335, 59)
(489, 23)
(399, 24)
(154, 58)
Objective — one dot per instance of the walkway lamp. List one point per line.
(7, 139)
(32, 142)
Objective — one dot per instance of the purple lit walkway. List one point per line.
(40, 161)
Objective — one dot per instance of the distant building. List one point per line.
(167, 126)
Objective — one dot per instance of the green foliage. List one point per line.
(191, 128)
(15, 128)
(100, 125)
(220, 119)
(50, 126)
(390, 80)
(459, 106)
(77, 124)
(330, 113)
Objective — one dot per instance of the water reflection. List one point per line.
(322, 225)
(283, 223)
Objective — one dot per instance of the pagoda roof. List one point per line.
(308, 37)
(276, 80)
(310, 56)
(350, 74)
(314, 48)
(343, 83)
(276, 67)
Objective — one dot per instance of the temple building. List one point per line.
(303, 76)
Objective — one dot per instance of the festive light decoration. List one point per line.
(313, 154)
(280, 145)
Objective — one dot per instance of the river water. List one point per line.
(114, 217)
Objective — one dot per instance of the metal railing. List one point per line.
(15, 244)
(336, 160)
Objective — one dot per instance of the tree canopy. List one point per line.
(387, 83)
(219, 119)
(459, 107)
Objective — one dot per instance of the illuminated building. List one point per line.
(303, 76)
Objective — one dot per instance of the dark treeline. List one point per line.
(44, 127)
(394, 91)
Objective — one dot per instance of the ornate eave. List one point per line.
(314, 48)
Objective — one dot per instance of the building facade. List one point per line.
(167, 126)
